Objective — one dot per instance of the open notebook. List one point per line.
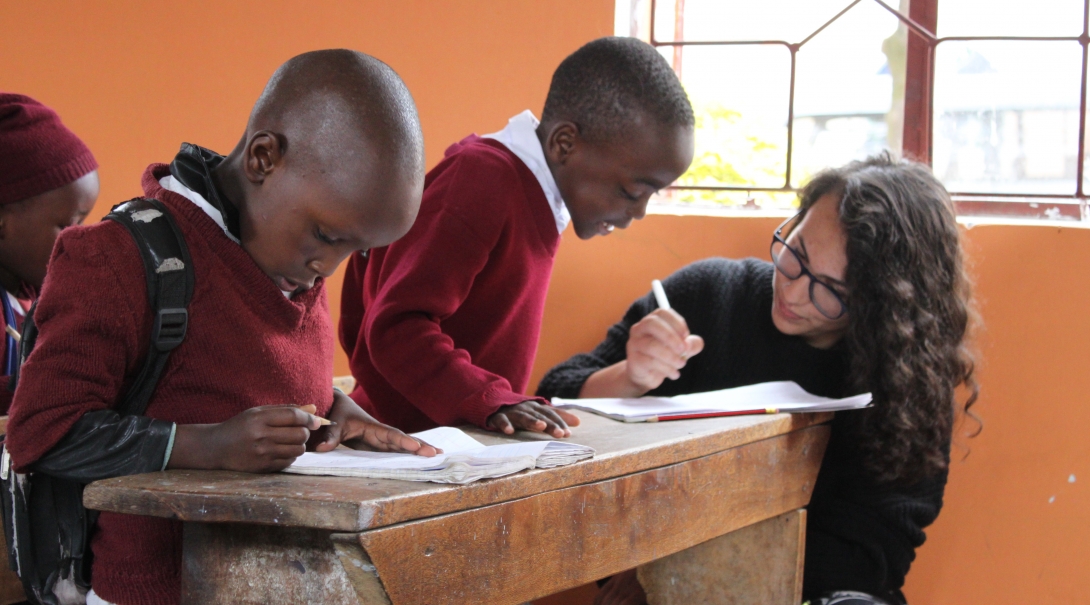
(464, 459)
(764, 398)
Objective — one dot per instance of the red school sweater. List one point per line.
(441, 326)
(247, 345)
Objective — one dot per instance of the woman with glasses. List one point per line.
(866, 292)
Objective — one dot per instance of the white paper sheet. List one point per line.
(464, 459)
(784, 396)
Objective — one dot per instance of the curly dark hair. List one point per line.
(910, 310)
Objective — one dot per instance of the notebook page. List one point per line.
(449, 439)
(784, 396)
(463, 459)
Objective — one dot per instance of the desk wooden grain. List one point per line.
(651, 491)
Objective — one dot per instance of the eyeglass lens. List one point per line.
(788, 263)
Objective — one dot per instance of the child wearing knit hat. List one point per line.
(48, 181)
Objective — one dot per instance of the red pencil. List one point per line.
(713, 414)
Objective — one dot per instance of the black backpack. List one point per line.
(47, 528)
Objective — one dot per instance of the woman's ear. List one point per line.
(264, 152)
(562, 141)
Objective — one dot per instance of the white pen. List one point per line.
(660, 295)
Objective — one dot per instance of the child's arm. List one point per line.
(259, 440)
(533, 416)
(427, 276)
(92, 333)
(356, 429)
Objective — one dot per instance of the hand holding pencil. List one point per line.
(659, 345)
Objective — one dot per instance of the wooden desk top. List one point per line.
(352, 504)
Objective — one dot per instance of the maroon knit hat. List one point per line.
(37, 152)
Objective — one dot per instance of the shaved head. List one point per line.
(332, 162)
(335, 102)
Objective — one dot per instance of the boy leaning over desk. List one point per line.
(331, 162)
(441, 327)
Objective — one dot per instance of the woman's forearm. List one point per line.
(611, 381)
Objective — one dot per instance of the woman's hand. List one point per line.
(533, 416)
(356, 429)
(659, 345)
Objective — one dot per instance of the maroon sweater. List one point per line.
(247, 345)
(442, 325)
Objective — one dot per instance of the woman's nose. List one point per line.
(796, 290)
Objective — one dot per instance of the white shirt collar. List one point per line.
(520, 137)
(170, 183)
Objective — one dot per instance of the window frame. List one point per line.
(921, 23)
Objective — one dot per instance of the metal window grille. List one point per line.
(919, 107)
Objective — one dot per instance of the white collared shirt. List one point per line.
(170, 183)
(520, 137)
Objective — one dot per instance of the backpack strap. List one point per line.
(169, 273)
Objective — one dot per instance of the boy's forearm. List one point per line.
(102, 444)
(425, 366)
(191, 448)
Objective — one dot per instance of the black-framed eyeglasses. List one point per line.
(788, 262)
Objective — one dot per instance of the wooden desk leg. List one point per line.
(758, 564)
(226, 563)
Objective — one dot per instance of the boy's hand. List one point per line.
(532, 416)
(658, 347)
(622, 589)
(358, 430)
(259, 440)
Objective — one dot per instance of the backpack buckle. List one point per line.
(169, 329)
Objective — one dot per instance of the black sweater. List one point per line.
(861, 535)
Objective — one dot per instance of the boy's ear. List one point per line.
(264, 151)
(562, 141)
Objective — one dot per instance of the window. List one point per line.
(991, 93)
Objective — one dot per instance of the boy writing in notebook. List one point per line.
(331, 162)
(441, 327)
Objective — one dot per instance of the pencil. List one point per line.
(714, 414)
(311, 409)
(12, 332)
(660, 295)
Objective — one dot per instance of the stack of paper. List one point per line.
(464, 459)
(764, 398)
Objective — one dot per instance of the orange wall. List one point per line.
(134, 79)
(137, 78)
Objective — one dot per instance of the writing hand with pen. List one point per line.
(658, 347)
(269, 438)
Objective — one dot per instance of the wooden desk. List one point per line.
(651, 491)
